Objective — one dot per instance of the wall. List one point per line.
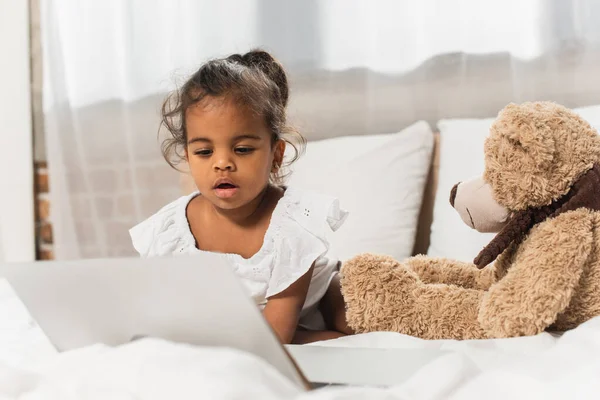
(17, 239)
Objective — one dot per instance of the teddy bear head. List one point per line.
(534, 154)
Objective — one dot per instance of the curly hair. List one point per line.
(254, 80)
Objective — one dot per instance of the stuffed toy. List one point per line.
(540, 192)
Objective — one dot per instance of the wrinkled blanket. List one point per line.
(540, 367)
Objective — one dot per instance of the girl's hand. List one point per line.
(282, 311)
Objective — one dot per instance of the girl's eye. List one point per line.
(203, 152)
(244, 150)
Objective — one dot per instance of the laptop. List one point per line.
(191, 299)
(361, 366)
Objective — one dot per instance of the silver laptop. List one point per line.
(196, 300)
(356, 366)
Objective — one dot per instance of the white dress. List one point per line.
(294, 240)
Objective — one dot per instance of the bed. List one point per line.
(414, 160)
(545, 367)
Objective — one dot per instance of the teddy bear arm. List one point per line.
(452, 272)
(539, 284)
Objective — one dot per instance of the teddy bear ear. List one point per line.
(524, 135)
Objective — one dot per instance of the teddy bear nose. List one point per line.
(453, 194)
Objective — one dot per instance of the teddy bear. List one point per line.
(540, 194)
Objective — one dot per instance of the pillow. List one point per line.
(461, 157)
(591, 114)
(379, 179)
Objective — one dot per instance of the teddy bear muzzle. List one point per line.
(474, 202)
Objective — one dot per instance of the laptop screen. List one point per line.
(190, 299)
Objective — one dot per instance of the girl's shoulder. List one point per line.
(311, 210)
(297, 236)
(300, 219)
(166, 231)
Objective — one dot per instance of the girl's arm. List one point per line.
(282, 311)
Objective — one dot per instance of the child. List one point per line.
(228, 122)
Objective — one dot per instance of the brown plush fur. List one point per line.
(535, 154)
(585, 192)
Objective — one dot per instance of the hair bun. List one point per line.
(258, 57)
(263, 61)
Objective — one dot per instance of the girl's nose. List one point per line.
(224, 164)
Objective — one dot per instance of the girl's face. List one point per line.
(230, 152)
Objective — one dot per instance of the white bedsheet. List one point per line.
(540, 367)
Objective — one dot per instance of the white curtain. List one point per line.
(356, 67)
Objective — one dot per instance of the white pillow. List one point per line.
(379, 179)
(461, 158)
(591, 114)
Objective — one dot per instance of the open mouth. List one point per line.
(225, 186)
(225, 189)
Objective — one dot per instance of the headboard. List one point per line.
(426, 212)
